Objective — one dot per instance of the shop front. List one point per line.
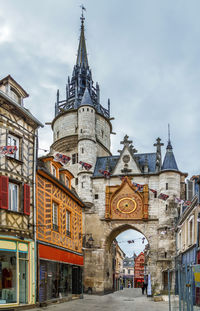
(17, 272)
(138, 282)
(60, 273)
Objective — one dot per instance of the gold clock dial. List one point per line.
(126, 205)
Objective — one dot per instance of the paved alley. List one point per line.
(129, 299)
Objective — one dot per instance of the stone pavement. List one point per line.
(128, 299)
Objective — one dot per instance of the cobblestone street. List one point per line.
(129, 299)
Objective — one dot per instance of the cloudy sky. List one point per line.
(144, 54)
(134, 247)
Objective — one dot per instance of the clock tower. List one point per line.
(120, 192)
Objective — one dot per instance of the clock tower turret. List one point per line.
(81, 126)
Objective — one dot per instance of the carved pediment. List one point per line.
(125, 202)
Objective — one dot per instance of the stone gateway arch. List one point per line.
(126, 208)
(122, 191)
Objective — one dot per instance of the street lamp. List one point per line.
(87, 239)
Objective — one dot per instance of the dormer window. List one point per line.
(54, 170)
(67, 181)
(15, 96)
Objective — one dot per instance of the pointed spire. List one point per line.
(80, 80)
(86, 99)
(82, 52)
(169, 146)
(169, 162)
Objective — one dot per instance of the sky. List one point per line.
(144, 54)
(137, 244)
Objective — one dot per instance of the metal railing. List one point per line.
(186, 293)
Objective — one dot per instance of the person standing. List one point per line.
(145, 284)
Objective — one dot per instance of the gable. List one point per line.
(126, 164)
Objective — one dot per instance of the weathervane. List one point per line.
(83, 9)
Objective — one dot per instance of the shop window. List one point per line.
(55, 280)
(55, 216)
(15, 142)
(74, 158)
(68, 223)
(13, 197)
(8, 277)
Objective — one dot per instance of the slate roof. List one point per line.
(151, 160)
(169, 162)
(82, 52)
(86, 99)
(105, 163)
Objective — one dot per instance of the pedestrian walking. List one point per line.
(145, 284)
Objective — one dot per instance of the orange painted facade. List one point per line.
(50, 190)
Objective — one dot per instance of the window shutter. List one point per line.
(4, 192)
(190, 190)
(26, 199)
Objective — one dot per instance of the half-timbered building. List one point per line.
(18, 149)
(139, 270)
(59, 232)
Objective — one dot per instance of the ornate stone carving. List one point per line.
(124, 202)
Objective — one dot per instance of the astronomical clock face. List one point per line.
(126, 205)
(125, 202)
